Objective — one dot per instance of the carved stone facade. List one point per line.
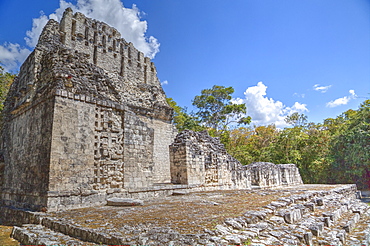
(86, 120)
(108, 149)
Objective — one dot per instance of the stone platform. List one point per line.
(295, 215)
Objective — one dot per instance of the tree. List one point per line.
(182, 120)
(351, 148)
(296, 119)
(217, 111)
(252, 144)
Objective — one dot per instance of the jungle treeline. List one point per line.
(334, 151)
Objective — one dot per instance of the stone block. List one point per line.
(310, 206)
(180, 192)
(253, 217)
(293, 216)
(327, 221)
(308, 238)
(317, 229)
(124, 202)
(319, 202)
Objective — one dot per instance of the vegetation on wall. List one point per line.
(6, 79)
(335, 151)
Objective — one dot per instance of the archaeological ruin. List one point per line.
(86, 120)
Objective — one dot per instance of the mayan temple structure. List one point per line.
(86, 119)
(86, 115)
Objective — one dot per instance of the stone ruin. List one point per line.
(268, 175)
(200, 160)
(86, 120)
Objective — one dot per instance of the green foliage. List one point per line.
(6, 79)
(252, 144)
(335, 151)
(351, 148)
(182, 120)
(296, 119)
(216, 111)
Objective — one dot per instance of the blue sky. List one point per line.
(309, 56)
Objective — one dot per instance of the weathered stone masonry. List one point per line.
(85, 119)
(198, 159)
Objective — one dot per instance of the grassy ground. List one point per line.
(5, 236)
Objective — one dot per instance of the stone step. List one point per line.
(31, 234)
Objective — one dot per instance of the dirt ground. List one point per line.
(5, 239)
(188, 214)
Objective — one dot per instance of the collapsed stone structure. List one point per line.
(267, 175)
(87, 119)
(198, 159)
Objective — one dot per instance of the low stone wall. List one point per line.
(13, 216)
(267, 175)
(290, 174)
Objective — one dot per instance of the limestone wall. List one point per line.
(164, 135)
(290, 174)
(138, 156)
(200, 160)
(99, 150)
(106, 48)
(267, 175)
(27, 143)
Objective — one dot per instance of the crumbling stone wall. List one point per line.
(290, 174)
(267, 175)
(26, 179)
(106, 48)
(200, 160)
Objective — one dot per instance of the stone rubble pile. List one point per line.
(315, 217)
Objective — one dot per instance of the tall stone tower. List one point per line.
(85, 119)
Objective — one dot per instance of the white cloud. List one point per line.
(37, 26)
(264, 110)
(164, 82)
(126, 20)
(299, 107)
(322, 89)
(342, 101)
(299, 95)
(12, 56)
